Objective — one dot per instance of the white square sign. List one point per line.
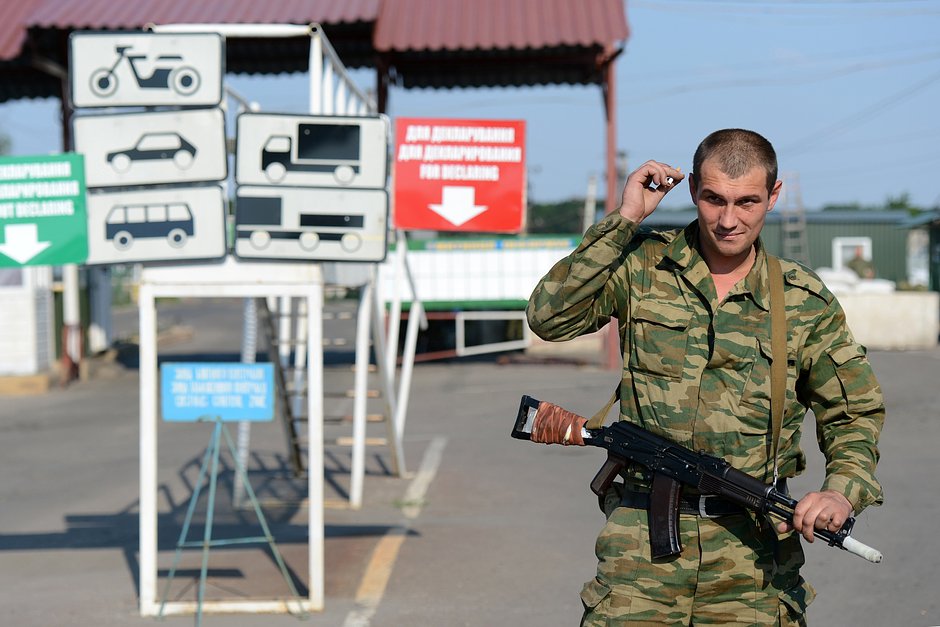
(312, 151)
(160, 224)
(146, 69)
(311, 224)
(152, 148)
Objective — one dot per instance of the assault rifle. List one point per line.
(673, 466)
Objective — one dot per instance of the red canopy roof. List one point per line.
(107, 14)
(413, 25)
(427, 43)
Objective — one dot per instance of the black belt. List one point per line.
(704, 505)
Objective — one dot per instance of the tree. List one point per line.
(902, 203)
(558, 217)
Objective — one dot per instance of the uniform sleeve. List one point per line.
(846, 400)
(576, 296)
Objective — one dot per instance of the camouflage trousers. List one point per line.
(731, 572)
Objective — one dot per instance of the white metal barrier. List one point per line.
(230, 279)
(332, 91)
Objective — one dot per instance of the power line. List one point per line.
(932, 52)
(859, 117)
(777, 80)
(921, 135)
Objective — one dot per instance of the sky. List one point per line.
(848, 93)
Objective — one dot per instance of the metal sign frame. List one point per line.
(228, 279)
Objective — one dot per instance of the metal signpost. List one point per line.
(154, 176)
(314, 188)
(311, 187)
(225, 280)
(219, 393)
(42, 211)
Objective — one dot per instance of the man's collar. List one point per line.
(684, 253)
(683, 250)
(757, 283)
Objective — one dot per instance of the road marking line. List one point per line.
(379, 571)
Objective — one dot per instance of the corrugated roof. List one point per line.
(107, 14)
(422, 43)
(13, 19)
(417, 25)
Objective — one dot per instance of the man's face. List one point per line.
(731, 212)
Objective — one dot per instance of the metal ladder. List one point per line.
(290, 395)
(284, 332)
(794, 239)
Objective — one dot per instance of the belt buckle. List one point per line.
(702, 499)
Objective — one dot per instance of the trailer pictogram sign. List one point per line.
(459, 175)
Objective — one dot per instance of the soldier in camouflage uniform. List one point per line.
(693, 312)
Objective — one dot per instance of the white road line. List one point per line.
(379, 571)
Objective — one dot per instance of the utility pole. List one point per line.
(590, 204)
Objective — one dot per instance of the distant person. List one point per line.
(861, 266)
(692, 307)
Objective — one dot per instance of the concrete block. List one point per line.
(895, 321)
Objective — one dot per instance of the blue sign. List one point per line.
(229, 391)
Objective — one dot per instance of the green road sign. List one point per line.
(42, 211)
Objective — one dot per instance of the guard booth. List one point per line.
(27, 343)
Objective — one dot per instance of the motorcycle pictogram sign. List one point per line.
(167, 72)
(145, 69)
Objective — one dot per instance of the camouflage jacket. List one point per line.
(698, 371)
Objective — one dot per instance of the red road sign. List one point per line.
(459, 175)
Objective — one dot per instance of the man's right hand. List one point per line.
(639, 196)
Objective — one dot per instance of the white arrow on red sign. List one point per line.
(21, 242)
(458, 205)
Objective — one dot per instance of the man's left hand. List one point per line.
(819, 510)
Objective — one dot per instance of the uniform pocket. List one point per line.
(793, 603)
(593, 594)
(595, 597)
(659, 338)
(854, 373)
(795, 593)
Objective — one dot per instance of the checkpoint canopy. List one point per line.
(42, 210)
(460, 175)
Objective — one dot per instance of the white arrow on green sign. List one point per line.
(42, 210)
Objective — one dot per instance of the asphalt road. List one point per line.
(484, 530)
